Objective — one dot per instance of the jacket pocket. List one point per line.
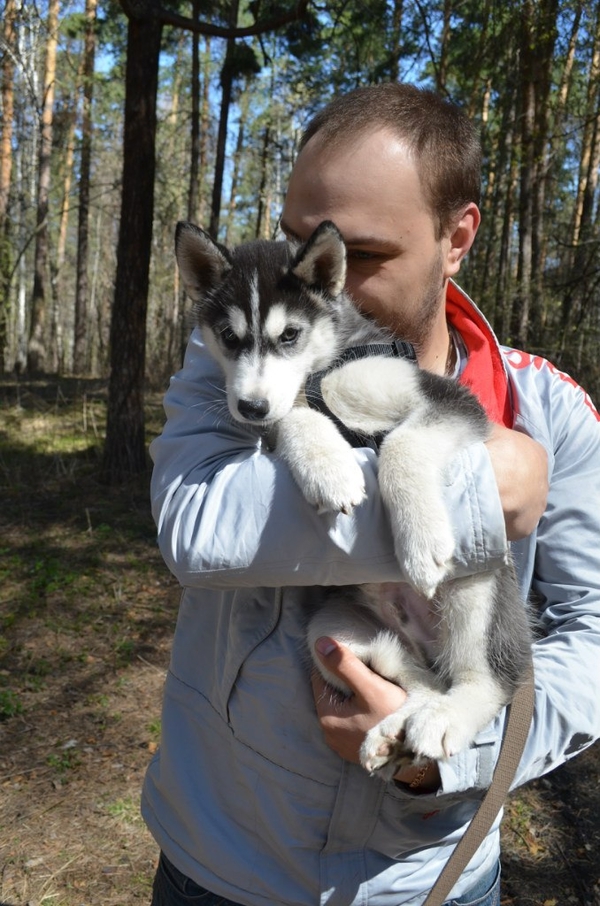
(216, 633)
(407, 822)
(254, 617)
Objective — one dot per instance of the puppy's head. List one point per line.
(268, 310)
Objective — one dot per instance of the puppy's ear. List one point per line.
(321, 261)
(202, 262)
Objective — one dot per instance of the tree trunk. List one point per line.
(442, 69)
(235, 175)
(81, 289)
(8, 70)
(226, 93)
(124, 452)
(525, 268)
(396, 36)
(36, 350)
(67, 179)
(498, 222)
(506, 275)
(261, 231)
(57, 344)
(545, 40)
(587, 141)
(583, 248)
(482, 48)
(194, 187)
(204, 131)
(538, 38)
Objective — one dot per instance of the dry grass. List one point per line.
(86, 616)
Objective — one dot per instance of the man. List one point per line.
(256, 796)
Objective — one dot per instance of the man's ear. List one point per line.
(461, 238)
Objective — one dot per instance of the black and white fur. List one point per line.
(274, 312)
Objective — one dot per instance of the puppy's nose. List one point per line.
(253, 410)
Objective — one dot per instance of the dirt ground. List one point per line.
(87, 611)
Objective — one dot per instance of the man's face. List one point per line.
(397, 268)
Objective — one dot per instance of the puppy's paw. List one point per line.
(333, 484)
(435, 731)
(426, 556)
(383, 751)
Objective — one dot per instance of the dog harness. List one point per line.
(399, 349)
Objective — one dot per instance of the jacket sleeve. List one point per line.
(562, 562)
(230, 515)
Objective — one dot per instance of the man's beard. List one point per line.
(417, 330)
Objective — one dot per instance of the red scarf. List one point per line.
(484, 372)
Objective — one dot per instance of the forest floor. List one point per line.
(87, 612)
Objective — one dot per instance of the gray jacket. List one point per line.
(243, 795)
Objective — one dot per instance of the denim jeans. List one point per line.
(172, 888)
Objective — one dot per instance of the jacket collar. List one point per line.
(485, 373)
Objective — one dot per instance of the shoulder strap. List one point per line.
(520, 714)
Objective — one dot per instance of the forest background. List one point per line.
(119, 119)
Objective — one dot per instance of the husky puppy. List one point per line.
(272, 315)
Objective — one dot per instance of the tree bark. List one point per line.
(262, 228)
(194, 183)
(583, 249)
(525, 268)
(538, 37)
(81, 288)
(226, 93)
(36, 350)
(442, 69)
(204, 130)
(124, 452)
(8, 69)
(235, 174)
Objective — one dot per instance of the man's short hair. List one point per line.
(443, 141)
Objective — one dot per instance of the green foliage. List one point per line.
(154, 728)
(10, 704)
(48, 574)
(64, 761)
(125, 810)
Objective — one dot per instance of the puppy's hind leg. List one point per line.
(467, 664)
(386, 747)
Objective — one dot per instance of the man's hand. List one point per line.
(521, 468)
(345, 723)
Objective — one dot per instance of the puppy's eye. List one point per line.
(229, 338)
(289, 336)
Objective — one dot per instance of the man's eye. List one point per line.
(360, 255)
(289, 336)
(229, 338)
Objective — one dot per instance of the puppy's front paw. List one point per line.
(426, 556)
(334, 483)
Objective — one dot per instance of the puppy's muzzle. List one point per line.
(253, 410)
